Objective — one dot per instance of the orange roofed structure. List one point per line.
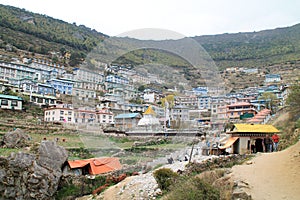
(94, 166)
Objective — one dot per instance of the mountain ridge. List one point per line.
(38, 33)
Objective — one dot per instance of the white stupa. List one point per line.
(149, 120)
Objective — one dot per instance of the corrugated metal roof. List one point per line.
(3, 96)
(255, 128)
(127, 115)
(97, 165)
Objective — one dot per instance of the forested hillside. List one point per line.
(40, 33)
(254, 49)
(20, 29)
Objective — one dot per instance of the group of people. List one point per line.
(269, 144)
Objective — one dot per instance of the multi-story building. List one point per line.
(67, 114)
(59, 113)
(180, 113)
(151, 96)
(126, 92)
(234, 111)
(186, 101)
(104, 116)
(271, 78)
(63, 86)
(117, 79)
(45, 89)
(16, 71)
(47, 66)
(89, 85)
(204, 102)
(20, 71)
(139, 78)
(87, 76)
(84, 93)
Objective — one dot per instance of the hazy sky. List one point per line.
(187, 17)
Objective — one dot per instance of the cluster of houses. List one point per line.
(103, 97)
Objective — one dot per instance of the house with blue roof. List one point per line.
(11, 102)
(127, 121)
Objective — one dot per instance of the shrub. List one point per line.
(193, 188)
(165, 178)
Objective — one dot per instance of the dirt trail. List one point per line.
(273, 175)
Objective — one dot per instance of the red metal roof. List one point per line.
(97, 165)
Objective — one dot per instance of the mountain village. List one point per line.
(146, 119)
(105, 99)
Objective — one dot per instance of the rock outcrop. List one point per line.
(30, 176)
(16, 139)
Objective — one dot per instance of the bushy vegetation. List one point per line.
(165, 178)
(72, 187)
(191, 189)
(289, 134)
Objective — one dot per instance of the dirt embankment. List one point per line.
(272, 175)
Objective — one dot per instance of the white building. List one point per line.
(67, 114)
(11, 102)
(87, 76)
(59, 113)
(271, 78)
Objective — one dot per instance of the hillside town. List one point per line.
(150, 113)
(111, 99)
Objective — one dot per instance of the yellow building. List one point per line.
(243, 135)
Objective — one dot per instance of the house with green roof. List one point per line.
(11, 102)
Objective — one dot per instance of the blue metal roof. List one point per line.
(127, 115)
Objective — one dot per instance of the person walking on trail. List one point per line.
(275, 139)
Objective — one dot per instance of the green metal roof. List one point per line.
(4, 96)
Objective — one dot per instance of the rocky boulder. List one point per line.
(30, 176)
(16, 139)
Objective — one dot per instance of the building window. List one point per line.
(69, 119)
(69, 112)
(14, 103)
(61, 119)
(4, 102)
(61, 112)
